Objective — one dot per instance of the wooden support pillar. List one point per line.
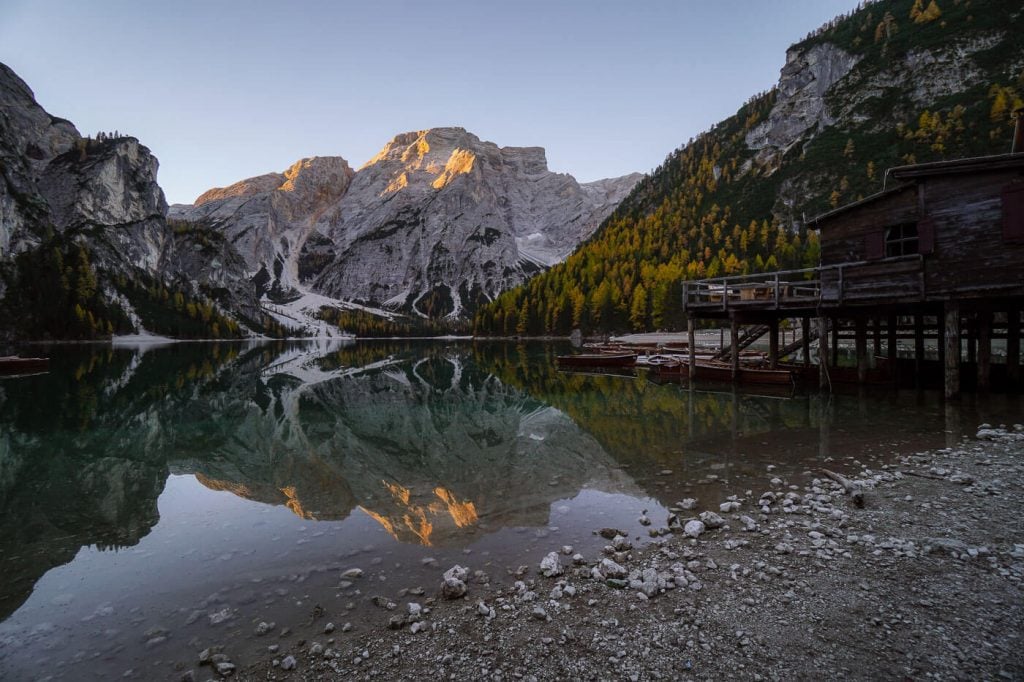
(691, 348)
(891, 348)
(984, 322)
(951, 349)
(734, 339)
(918, 348)
(773, 343)
(861, 341)
(823, 352)
(805, 324)
(1013, 347)
(835, 341)
(878, 335)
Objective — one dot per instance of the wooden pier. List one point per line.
(938, 255)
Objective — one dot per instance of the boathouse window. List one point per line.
(901, 240)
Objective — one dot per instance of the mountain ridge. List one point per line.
(437, 222)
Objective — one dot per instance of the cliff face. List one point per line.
(83, 234)
(800, 104)
(436, 223)
(268, 219)
(29, 139)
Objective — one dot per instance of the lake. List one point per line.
(157, 500)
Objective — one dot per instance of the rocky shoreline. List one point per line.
(792, 581)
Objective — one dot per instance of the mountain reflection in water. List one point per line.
(439, 443)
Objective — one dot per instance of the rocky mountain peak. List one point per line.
(242, 188)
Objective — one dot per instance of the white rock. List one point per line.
(610, 569)
(550, 566)
(711, 519)
(693, 528)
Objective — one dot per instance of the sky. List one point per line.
(225, 90)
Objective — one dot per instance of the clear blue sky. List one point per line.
(224, 90)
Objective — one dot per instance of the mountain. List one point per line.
(892, 83)
(85, 249)
(434, 225)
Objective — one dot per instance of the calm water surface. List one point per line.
(156, 501)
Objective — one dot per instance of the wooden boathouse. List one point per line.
(938, 254)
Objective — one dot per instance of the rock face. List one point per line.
(115, 190)
(62, 191)
(29, 139)
(268, 219)
(436, 223)
(800, 106)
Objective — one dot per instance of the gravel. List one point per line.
(925, 581)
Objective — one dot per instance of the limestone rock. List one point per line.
(436, 223)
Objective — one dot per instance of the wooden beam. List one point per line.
(984, 350)
(773, 343)
(861, 342)
(877, 328)
(691, 348)
(1013, 347)
(734, 339)
(805, 324)
(823, 352)
(951, 349)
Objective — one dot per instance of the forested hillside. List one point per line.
(890, 84)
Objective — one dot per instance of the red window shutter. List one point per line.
(1013, 212)
(874, 245)
(926, 235)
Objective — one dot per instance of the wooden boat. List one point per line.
(597, 360)
(12, 364)
(720, 371)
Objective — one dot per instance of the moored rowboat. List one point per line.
(721, 371)
(597, 360)
(12, 364)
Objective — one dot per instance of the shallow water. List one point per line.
(159, 500)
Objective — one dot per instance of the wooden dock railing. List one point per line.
(900, 277)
